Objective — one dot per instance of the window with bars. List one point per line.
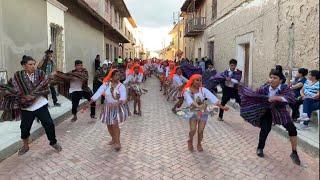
(214, 9)
(53, 32)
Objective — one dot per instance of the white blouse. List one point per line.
(202, 94)
(105, 88)
(178, 80)
(134, 78)
(167, 71)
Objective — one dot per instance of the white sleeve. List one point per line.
(167, 72)
(177, 80)
(188, 98)
(123, 93)
(211, 97)
(184, 79)
(128, 79)
(140, 78)
(284, 99)
(234, 81)
(99, 92)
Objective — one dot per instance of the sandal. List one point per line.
(23, 150)
(190, 145)
(111, 142)
(199, 148)
(117, 147)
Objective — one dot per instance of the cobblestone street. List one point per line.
(154, 146)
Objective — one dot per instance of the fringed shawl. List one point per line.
(255, 103)
(65, 78)
(207, 75)
(12, 94)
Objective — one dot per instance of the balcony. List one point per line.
(195, 26)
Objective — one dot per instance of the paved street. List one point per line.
(154, 147)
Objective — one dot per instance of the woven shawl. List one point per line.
(64, 79)
(12, 94)
(255, 103)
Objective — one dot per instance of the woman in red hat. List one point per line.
(196, 98)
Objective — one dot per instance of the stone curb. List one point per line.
(15, 146)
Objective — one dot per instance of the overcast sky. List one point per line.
(154, 19)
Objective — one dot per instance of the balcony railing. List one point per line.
(195, 26)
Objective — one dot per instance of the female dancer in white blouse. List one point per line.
(115, 108)
(195, 96)
(133, 81)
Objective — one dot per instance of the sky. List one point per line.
(154, 19)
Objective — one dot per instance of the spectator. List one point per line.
(97, 62)
(297, 85)
(202, 65)
(283, 77)
(310, 96)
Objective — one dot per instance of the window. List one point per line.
(214, 9)
(107, 52)
(53, 32)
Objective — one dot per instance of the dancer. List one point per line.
(167, 81)
(115, 108)
(74, 86)
(25, 97)
(195, 96)
(267, 106)
(178, 82)
(133, 81)
(230, 87)
(48, 66)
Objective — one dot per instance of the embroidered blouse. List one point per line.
(120, 89)
(203, 94)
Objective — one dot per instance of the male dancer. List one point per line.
(28, 90)
(75, 87)
(230, 87)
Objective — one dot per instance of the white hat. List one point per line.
(105, 62)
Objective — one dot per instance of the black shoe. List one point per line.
(260, 153)
(295, 158)
(57, 147)
(57, 104)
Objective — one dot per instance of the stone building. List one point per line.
(259, 34)
(78, 29)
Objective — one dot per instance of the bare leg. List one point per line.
(201, 126)
(26, 143)
(135, 104)
(139, 105)
(116, 131)
(110, 130)
(193, 129)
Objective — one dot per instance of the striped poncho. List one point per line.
(12, 95)
(65, 78)
(255, 103)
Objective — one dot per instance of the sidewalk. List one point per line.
(307, 139)
(10, 141)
